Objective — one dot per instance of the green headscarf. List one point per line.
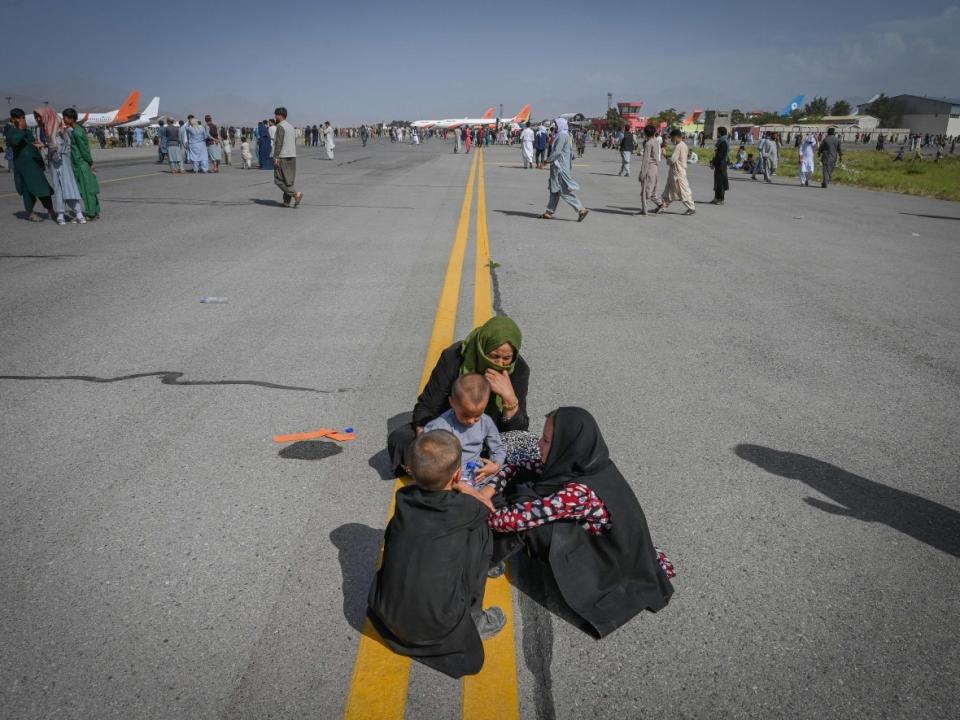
(485, 339)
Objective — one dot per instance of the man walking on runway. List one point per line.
(285, 159)
(627, 147)
(830, 153)
(649, 169)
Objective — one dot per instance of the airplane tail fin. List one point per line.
(151, 110)
(489, 114)
(793, 106)
(693, 117)
(523, 115)
(129, 107)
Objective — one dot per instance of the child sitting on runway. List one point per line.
(427, 598)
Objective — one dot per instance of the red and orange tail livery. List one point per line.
(130, 107)
(523, 115)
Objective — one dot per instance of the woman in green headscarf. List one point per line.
(492, 349)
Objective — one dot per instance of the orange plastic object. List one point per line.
(314, 434)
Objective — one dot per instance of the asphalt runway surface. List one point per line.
(778, 379)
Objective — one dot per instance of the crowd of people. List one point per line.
(56, 168)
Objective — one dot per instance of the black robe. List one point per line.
(435, 400)
(436, 554)
(720, 161)
(605, 579)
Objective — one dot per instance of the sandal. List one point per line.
(582, 214)
(297, 199)
(547, 216)
(33, 217)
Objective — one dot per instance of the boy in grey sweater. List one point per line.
(475, 430)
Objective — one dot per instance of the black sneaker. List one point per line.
(490, 622)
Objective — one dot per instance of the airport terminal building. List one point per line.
(923, 115)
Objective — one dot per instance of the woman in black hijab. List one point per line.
(580, 516)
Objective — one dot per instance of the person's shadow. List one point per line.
(857, 497)
(359, 551)
(380, 460)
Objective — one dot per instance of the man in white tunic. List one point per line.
(677, 187)
(328, 139)
(807, 150)
(526, 146)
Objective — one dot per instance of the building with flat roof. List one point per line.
(922, 115)
(630, 112)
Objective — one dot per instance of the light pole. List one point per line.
(609, 100)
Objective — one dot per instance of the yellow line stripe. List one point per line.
(482, 293)
(378, 689)
(445, 323)
(492, 693)
(131, 177)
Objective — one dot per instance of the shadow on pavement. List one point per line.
(934, 217)
(168, 377)
(359, 550)
(5, 256)
(310, 450)
(534, 581)
(534, 215)
(380, 461)
(608, 211)
(175, 201)
(857, 497)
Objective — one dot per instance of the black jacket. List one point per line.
(435, 398)
(627, 143)
(436, 553)
(721, 157)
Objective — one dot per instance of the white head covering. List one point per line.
(562, 127)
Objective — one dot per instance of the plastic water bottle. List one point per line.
(348, 430)
(470, 473)
(210, 300)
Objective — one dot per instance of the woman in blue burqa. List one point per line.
(263, 146)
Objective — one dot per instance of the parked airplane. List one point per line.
(430, 123)
(148, 117)
(793, 106)
(693, 118)
(518, 119)
(121, 114)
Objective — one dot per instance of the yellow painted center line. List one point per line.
(378, 689)
(482, 294)
(130, 177)
(492, 693)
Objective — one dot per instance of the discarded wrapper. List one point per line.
(346, 436)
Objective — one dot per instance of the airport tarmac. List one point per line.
(777, 378)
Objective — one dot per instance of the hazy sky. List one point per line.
(353, 62)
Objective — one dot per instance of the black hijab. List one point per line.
(577, 451)
(606, 579)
